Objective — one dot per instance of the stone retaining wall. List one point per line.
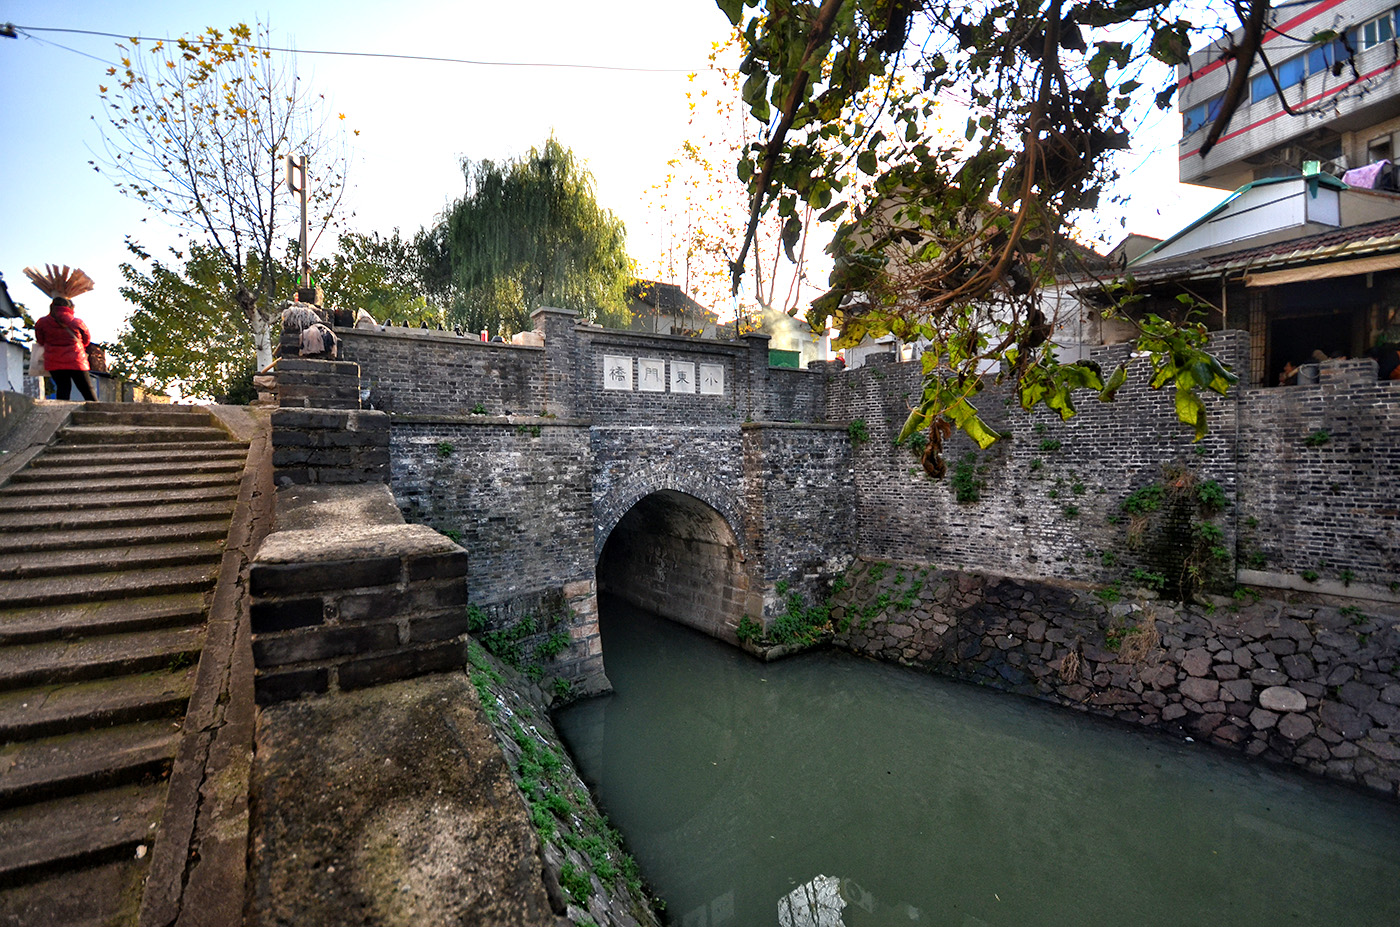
(1315, 686)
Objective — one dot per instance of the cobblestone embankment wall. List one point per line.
(1315, 686)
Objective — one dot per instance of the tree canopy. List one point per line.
(180, 335)
(528, 233)
(198, 129)
(950, 239)
(701, 207)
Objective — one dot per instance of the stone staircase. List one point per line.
(110, 542)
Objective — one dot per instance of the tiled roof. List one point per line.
(666, 298)
(1373, 238)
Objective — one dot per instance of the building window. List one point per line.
(1289, 73)
(1199, 116)
(1381, 29)
(1331, 56)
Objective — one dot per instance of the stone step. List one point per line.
(83, 561)
(66, 622)
(77, 830)
(45, 469)
(179, 416)
(85, 537)
(97, 456)
(66, 590)
(122, 557)
(120, 516)
(51, 710)
(100, 499)
(39, 770)
(72, 485)
(97, 895)
(137, 434)
(103, 655)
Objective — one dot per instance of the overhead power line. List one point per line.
(25, 30)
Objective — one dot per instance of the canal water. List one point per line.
(828, 790)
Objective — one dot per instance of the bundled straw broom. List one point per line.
(55, 281)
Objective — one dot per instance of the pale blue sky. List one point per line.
(417, 120)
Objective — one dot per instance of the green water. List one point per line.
(828, 790)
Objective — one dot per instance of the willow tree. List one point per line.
(951, 241)
(528, 233)
(197, 129)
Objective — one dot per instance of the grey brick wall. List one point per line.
(516, 492)
(411, 371)
(1328, 504)
(1049, 494)
(801, 506)
(330, 446)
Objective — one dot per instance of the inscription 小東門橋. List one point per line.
(651, 376)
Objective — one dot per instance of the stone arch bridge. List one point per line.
(689, 477)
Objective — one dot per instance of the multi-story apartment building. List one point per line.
(1336, 65)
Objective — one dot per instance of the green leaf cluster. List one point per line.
(949, 242)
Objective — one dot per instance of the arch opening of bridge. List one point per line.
(676, 555)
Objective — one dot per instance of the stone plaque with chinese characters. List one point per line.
(617, 372)
(712, 379)
(682, 377)
(651, 375)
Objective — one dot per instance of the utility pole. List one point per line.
(296, 183)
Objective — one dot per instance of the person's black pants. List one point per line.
(63, 380)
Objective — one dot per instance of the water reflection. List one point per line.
(740, 786)
(820, 903)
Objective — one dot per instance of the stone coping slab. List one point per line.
(391, 805)
(318, 524)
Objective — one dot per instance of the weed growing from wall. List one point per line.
(966, 485)
(858, 432)
(1317, 438)
(526, 644)
(1182, 507)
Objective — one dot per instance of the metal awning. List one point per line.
(1324, 271)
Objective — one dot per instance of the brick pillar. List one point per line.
(564, 380)
(755, 404)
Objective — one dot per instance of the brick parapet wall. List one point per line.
(346, 596)
(797, 395)
(1051, 494)
(409, 371)
(1320, 477)
(1307, 685)
(328, 446)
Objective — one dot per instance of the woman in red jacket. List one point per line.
(65, 339)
